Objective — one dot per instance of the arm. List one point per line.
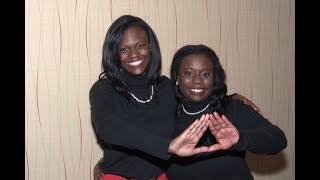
(125, 133)
(258, 135)
(255, 133)
(119, 131)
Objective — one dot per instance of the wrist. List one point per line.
(170, 149)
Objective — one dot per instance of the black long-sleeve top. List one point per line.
(136, 136)
(257, 135)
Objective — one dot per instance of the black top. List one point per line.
(136, 136)
(257, 135)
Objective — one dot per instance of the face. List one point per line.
(195, 77)
(135, 51)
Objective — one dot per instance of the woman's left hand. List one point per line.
(224, 131)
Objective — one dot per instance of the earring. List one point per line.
(177, 82)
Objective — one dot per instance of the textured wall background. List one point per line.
(253, 38)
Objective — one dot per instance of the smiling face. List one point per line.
(195, 77)
(135, 51)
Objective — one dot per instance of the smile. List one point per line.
(196, 90)
(135, 63)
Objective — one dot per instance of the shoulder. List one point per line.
(235, 103)
(165, 83)
(237, 106)
(165, 79)
(237, 109)
(100, 85)
(165, 89)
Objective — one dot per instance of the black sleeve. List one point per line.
(257, 134)
(234, 94)
(114, 130)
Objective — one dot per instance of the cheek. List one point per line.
(209, 85)
(147, 54)
(183, 85)
(147, 59)
(122, 59)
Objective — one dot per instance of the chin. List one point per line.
(198, 100)
(137, 73)
(195, 100)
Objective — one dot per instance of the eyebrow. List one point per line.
(134, 43)
(206, 69)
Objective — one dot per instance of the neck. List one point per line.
(192, 108)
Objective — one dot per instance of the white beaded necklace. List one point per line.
(146, 101)
(194, 113)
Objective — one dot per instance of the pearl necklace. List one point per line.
(146, 101)
(194, 113)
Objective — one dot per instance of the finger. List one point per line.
(210, 121)
(215, 147)
(207, 116)
(212, 127)
(214, 120)
(215, 125)
(203, 124)
(226, 120)
(194, 129)
(219, 120)
(203, 128)
(201, 149)
(203, 117)
(191, 128)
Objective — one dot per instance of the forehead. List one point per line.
(135, 32)
(196, 61)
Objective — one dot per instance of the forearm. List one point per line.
(262, 141)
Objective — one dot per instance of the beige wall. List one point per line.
(253, 38)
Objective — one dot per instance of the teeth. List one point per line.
(135, 63)
(196, 90)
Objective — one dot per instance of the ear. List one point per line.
(177, 81)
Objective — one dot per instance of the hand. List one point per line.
(224, 131)
(184, 144)
(246, 101)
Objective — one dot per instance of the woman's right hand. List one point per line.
(184, 144)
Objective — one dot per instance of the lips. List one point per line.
(197, 90)
(135, 63)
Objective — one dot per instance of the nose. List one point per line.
(133, 53)
(196, 79)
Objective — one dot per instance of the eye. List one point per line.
(205, 74)
(140, 46)
(188, 73)
(123, 49)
